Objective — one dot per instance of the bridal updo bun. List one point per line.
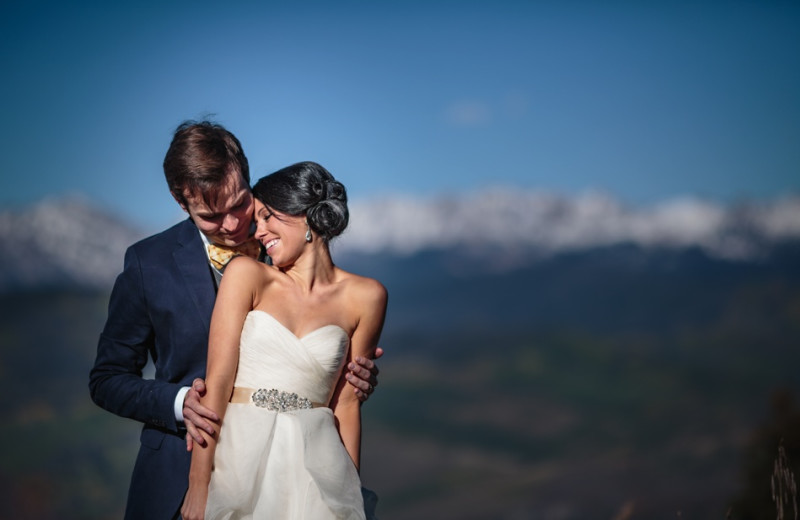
(306, 188)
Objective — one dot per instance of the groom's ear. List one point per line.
(179, 200)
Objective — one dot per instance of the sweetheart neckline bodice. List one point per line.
(287, 329)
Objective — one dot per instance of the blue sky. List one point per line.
(644, 100)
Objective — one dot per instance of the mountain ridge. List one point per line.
(531, 221)
(72, 242)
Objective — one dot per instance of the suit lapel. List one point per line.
(193, 265)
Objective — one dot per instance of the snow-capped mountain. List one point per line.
(62, 242)
(550, 224)
(72, 242)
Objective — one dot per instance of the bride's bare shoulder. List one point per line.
(365, 289)
(249, 270)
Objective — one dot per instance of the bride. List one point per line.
(289, 438)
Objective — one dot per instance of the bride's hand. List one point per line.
(194, 504)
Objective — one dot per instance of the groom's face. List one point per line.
(225, 214)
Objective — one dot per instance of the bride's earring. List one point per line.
(308, 233)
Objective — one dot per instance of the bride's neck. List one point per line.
(314, 267)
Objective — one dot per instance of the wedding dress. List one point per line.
(279, 454)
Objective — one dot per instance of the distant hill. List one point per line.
(617, 289)
(581, 384)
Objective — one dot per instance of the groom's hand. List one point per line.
(363, 375)
(196, 416)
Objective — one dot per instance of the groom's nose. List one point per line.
(230, 222)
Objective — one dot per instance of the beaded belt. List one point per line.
(272, 399)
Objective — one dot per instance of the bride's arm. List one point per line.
(234, 300)
(370, 306)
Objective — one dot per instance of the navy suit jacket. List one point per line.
(160, 308)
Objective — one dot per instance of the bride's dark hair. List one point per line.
(306, 188)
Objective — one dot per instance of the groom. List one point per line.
(160, 308)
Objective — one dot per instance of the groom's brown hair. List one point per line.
(200, 157)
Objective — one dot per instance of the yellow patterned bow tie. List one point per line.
(220, 255)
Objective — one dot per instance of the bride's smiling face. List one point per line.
(282, 235)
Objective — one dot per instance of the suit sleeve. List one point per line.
(115, 382)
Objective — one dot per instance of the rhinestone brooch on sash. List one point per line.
(279, 401)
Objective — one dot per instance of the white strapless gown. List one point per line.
(285, 465)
